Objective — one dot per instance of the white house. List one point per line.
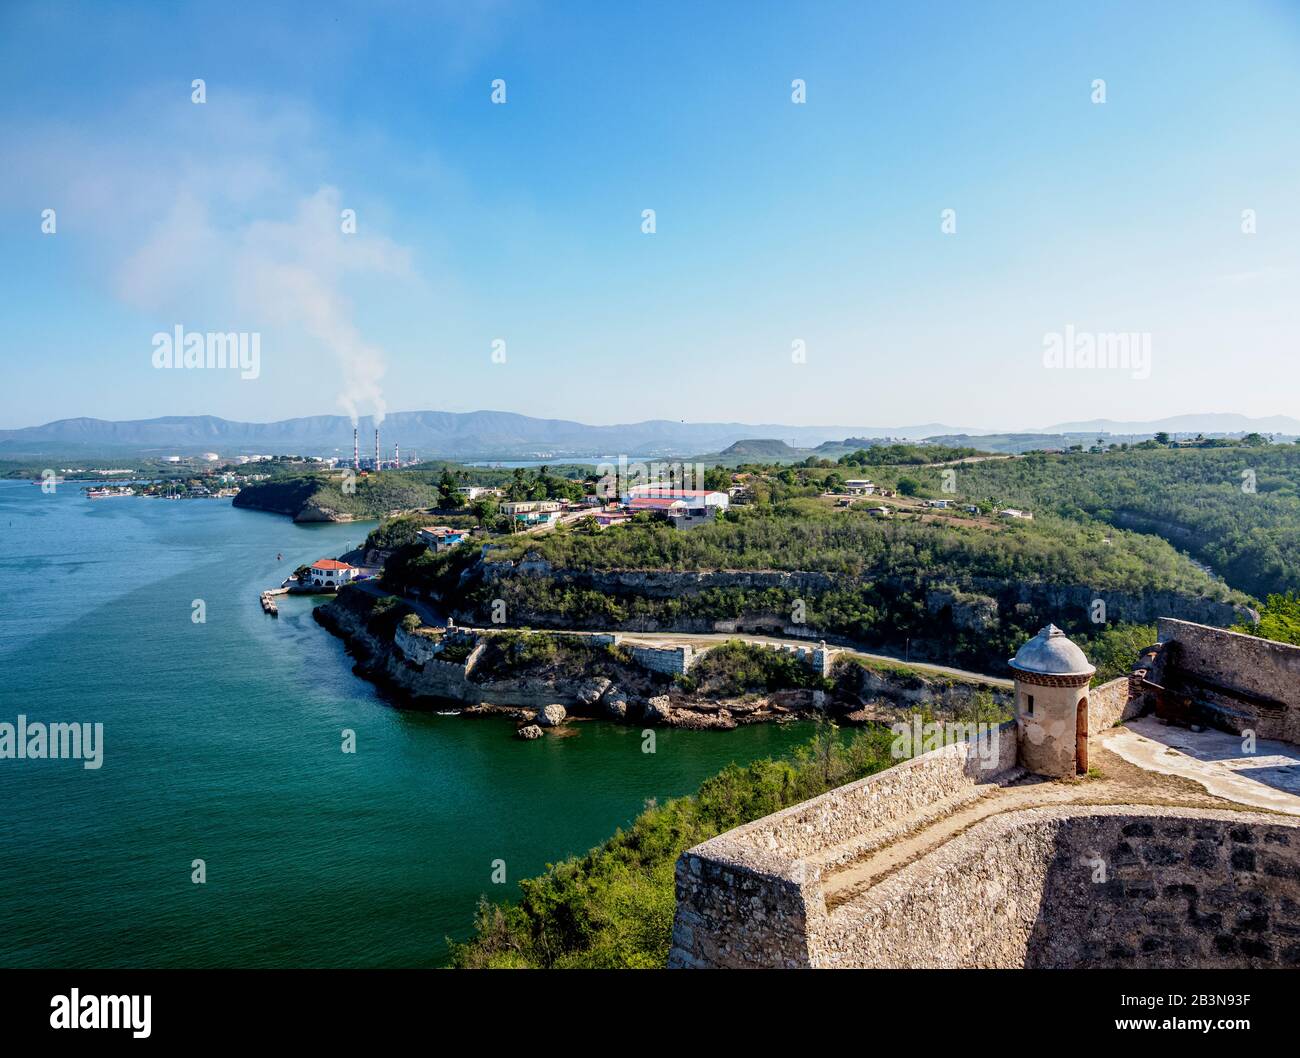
(330, 573)
(538, 507)
(695, 501)
(860, 486)
(1012, 512)
(441, 537)
(533, 513)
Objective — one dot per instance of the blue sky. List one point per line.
(776, 222)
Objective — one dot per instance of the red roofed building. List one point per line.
(682, 506)
(331, 573)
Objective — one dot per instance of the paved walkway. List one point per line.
(1147, 764)
(714, 638)
(1267, 778)
(710, 639)
(427, 613)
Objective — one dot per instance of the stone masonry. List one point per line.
(958, 858)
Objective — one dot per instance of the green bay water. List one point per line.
(222, 742)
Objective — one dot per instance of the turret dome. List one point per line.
(1050, 653)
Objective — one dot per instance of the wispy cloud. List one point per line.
(206, 214)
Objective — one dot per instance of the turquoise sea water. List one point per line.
(222, 742)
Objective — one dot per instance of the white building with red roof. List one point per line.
(331, 573)
(676, 503)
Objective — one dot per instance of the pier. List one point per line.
(268, 600)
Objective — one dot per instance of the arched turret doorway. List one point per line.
(1081, 737)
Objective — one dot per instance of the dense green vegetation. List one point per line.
(511, 655)
(1237, 508)
(1279, 619)
(1234, 505)
(878, 592)
(371, 497)
(614, 906)
(907, 455)
(385, 615)
(809, 536)
(287, 496)
(737, 668)
(1115, 648)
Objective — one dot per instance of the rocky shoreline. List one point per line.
(440, 666)
(535, 701)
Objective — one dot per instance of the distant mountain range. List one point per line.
(1214, 422)
(486, 434)
(506, 435)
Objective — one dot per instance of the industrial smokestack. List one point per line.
(376, 448)
(397, 457)
(356, 451)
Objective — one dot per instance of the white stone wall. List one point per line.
(673, 661)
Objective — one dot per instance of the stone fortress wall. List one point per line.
(672, 661)
(1088, 886)
(1238, 681)
(1112, 703)
(753, 896)
(1097, 886)
(678, 661)
(1054, 884)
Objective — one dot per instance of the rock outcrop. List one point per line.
(551, 715)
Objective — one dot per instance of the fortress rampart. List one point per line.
(1076, 885)
(753, 896)
(972, 856)
(1084, 886)
(1226, 679)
